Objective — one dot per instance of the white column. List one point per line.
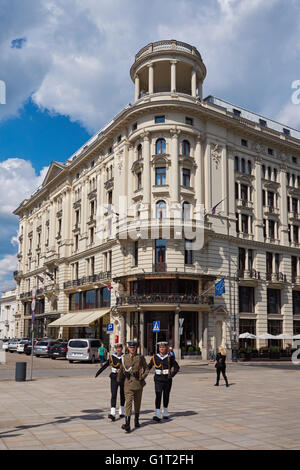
(194, 82)
(173, 75)
(283, 207)
(147, 169)
(200, 88)
(130, 175)
(176, 335)
(208, 188)
(150, 79)
(142, 329)
(137, 87)
(258, 202)
(175, 177)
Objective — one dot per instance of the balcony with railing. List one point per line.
(18, 275)
(276, 278)
(244, 204)
(249, 275)
(87, 280)
(271, 210)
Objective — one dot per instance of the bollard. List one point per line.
(21, 371)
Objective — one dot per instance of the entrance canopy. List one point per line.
(79, 319)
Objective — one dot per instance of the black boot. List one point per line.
(126, 426)
(112, 417)
(136, 421)
(216, 385)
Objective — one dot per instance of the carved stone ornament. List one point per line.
(120, 162)
(259, 148)
(283, 156)
(216, 154)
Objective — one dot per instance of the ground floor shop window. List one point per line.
(296, 302)
(247, 326)
(275, 328)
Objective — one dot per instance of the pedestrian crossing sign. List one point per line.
(156, 326)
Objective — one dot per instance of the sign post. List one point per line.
(156, 329)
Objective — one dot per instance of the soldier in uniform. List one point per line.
(134, 369)
(166, 368)
(114, 362)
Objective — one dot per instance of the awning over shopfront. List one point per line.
(79, 319)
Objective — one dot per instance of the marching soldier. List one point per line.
(114, 362)
(163, 363)
(134, 369)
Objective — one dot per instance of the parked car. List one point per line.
(21, 345)
(42, 347)
(12, 344)
(83, 350)
(5, 344)
(58, 350)
(27, 348)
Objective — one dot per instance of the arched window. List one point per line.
(186, 211)
(160, 146)
(161, 210)
(249, 167)
(243, 166)
(186, 148)
(140, 152)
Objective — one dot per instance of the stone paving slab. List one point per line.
(260, 410)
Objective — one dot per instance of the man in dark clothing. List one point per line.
(166, 368)
(114, 362)
(220, 365)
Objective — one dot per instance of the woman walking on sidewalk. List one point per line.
(220, 365)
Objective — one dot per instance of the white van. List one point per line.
(86, 349)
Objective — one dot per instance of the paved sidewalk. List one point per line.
(260, 410)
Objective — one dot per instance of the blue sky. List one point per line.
(66, 68)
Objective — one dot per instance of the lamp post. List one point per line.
(235, 345)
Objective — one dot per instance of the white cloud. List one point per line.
(18, 180)
(290, 115)
(77, 55)
(7, 265)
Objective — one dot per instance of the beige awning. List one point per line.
(79, 318)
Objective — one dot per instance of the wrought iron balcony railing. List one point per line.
(86, 280)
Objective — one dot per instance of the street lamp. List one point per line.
(235, 345)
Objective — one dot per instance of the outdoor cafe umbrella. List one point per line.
(247, 336)
(266, 336)
(284, 336)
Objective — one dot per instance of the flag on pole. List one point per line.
(220, 288)
(49, 275)
(40, 278)
(214, 209)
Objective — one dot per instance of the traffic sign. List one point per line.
(109, 327)
(181, 320)
(156, 326)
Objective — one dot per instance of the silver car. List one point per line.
(12, 344)
(83, 350)
(42, 347)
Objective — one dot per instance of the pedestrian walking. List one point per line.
(166, 368)
(220, 365)
(102, 353)
(134, 369)
(114, 361)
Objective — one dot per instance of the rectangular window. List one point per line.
(237, 112)
(159, 119)
(160, 251)
(263, 123)
(246, 299)
(242, 259)
(245, 223)
(270, 151)
(188, 252)
(160, 176)
(186, 177)
(139, 180)
(244, 143)
(274, 300)
(136, 253)
(271, 229)
(244, 192)
(189, 121)
(296, 302)
(286, 131)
